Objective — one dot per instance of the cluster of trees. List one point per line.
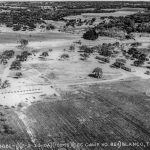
(79, 22)
(6, 55)
(139, 56)
(26, 19)
(21, 19)
(136, 44)
(120, 63)
(90, 35)
(117, 64)
(31, 14)
(23, 57)
(133, 23)
(16, 65)
(141, 17)
(122, 23)
(50, 27)
(106, 49)
(106, 60)
(85, 51)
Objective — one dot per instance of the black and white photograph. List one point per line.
(74, 75)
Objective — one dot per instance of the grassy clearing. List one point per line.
(114, 14)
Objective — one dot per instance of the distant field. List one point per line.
(14, 37)
(114, 14)
(126, 9)
(119, 12)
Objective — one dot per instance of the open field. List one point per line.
(75, 80)
(127, 9)
(45, 116)
(115, 14)
(94, 114)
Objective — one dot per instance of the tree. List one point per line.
(129, 24)
(84, 56)
(98, 73)
(24, 42)
(18, 74)
(15, 65)
(4, 61)
(72, 47)
(16, 27)
(142, 57)
(131, 51)
(90, 35)
(5, 84)
(86, 49)
(64, 56)
(44, 54)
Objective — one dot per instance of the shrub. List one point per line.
(121, 60)
(5, 84)
(64, 56)
(72, 47)
(16, 27)
(50, 27)
(90, 35)
(84, 56)
(15, 65)
(135, 44)
(138, 63)
(86, 49)
(23, 42)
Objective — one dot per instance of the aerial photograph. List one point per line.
(74, 75)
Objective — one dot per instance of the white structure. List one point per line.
(27, 94)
